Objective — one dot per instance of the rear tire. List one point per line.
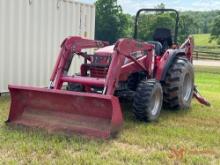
(179, 85)
(148, 100)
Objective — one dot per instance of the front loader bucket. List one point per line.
(93, 115)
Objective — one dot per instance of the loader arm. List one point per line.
(91, 114)
(126, 48)
(62, 111)
(71, 45)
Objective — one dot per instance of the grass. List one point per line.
(203, 40)
(179, 137)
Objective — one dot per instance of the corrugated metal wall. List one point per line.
(31, 32)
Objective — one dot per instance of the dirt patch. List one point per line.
(133, 147)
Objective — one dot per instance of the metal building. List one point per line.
(31, 32)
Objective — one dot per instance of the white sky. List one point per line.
(131, 6)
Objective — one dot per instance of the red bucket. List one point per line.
(68, 112)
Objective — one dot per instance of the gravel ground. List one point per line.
(206, 63)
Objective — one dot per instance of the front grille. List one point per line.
(99, 72)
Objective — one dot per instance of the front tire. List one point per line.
(179, 85)
(134, 79)
(148, 100)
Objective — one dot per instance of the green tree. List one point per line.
(129, 30)
(111, 23)
(160, 6)
(187, 26)
(215, 32)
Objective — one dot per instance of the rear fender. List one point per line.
(166, 61)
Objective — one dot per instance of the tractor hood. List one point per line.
(106, 51)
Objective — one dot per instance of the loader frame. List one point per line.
(118, 71)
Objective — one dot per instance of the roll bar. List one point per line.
(157, 10)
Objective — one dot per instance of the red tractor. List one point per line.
(153, 73)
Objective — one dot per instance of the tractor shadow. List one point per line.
(165, 114)
(129, 124)
(41, 135)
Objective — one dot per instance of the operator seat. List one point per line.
(163, 36)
